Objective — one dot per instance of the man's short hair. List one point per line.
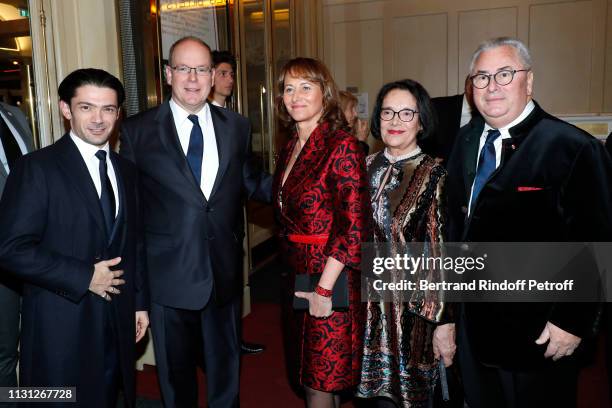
(521, 50)
(182, 40)
(219, 57)
(89, 76)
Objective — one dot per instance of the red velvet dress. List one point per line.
(325, 193)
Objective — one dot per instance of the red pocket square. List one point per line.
(527, 188)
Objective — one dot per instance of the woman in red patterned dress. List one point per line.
(322, 207)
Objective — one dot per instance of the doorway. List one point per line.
(16, 65)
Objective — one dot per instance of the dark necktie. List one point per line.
(11, 148)
(196, 148)
(486, 165)
(107, 196)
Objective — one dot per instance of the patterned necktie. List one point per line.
(107, 196)
(11, 148)
(196, 148)
(486, 165)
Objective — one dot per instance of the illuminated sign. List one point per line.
(181, 5)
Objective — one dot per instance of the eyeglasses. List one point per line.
(185, 70)
(503, 77)
(405, 115)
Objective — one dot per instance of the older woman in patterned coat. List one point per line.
(322, 208)
(404, 339)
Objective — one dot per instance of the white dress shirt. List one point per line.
(505, 134)
(88, 152)
(20, 143)
(210, 159)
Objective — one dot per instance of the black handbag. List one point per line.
(307, 282)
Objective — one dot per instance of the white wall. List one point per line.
(67, 35)
(369, 42)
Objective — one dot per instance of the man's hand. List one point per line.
(318, 306)
(104, 281)
(142, 322)
(444, 343)
(560, 342)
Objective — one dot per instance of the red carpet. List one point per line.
(264, 381)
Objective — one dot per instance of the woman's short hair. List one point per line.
(424, 107)
(316, 72)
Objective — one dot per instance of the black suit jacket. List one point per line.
(51, 234)
(609, 144)
(189, 238)
(448, 114)
(574, 204)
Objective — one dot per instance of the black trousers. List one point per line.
(112, 373)
(9, 331)
(488, 387)
(181, 337)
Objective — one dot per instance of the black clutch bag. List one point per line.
(307, 283)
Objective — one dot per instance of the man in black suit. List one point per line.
(609, 144)
(518, 174)
(15, 141)
(68, 229)
(448, 113)
(195, 171)
(452, 113)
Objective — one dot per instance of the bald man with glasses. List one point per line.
(195, 166)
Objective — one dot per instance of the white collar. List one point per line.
(217, 103)
(505, 129)
(87, 150)
(408, 155)
(180, 115)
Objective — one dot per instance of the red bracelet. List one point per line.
(323, 292)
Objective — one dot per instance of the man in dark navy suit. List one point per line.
(194, 162)
(518, 174)
(69, 230)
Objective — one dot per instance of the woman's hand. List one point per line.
(318, 306)
(444, 343)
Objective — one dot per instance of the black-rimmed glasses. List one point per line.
(503, 77)
(405, 115)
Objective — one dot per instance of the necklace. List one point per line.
(299, 149)
(409, 155)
